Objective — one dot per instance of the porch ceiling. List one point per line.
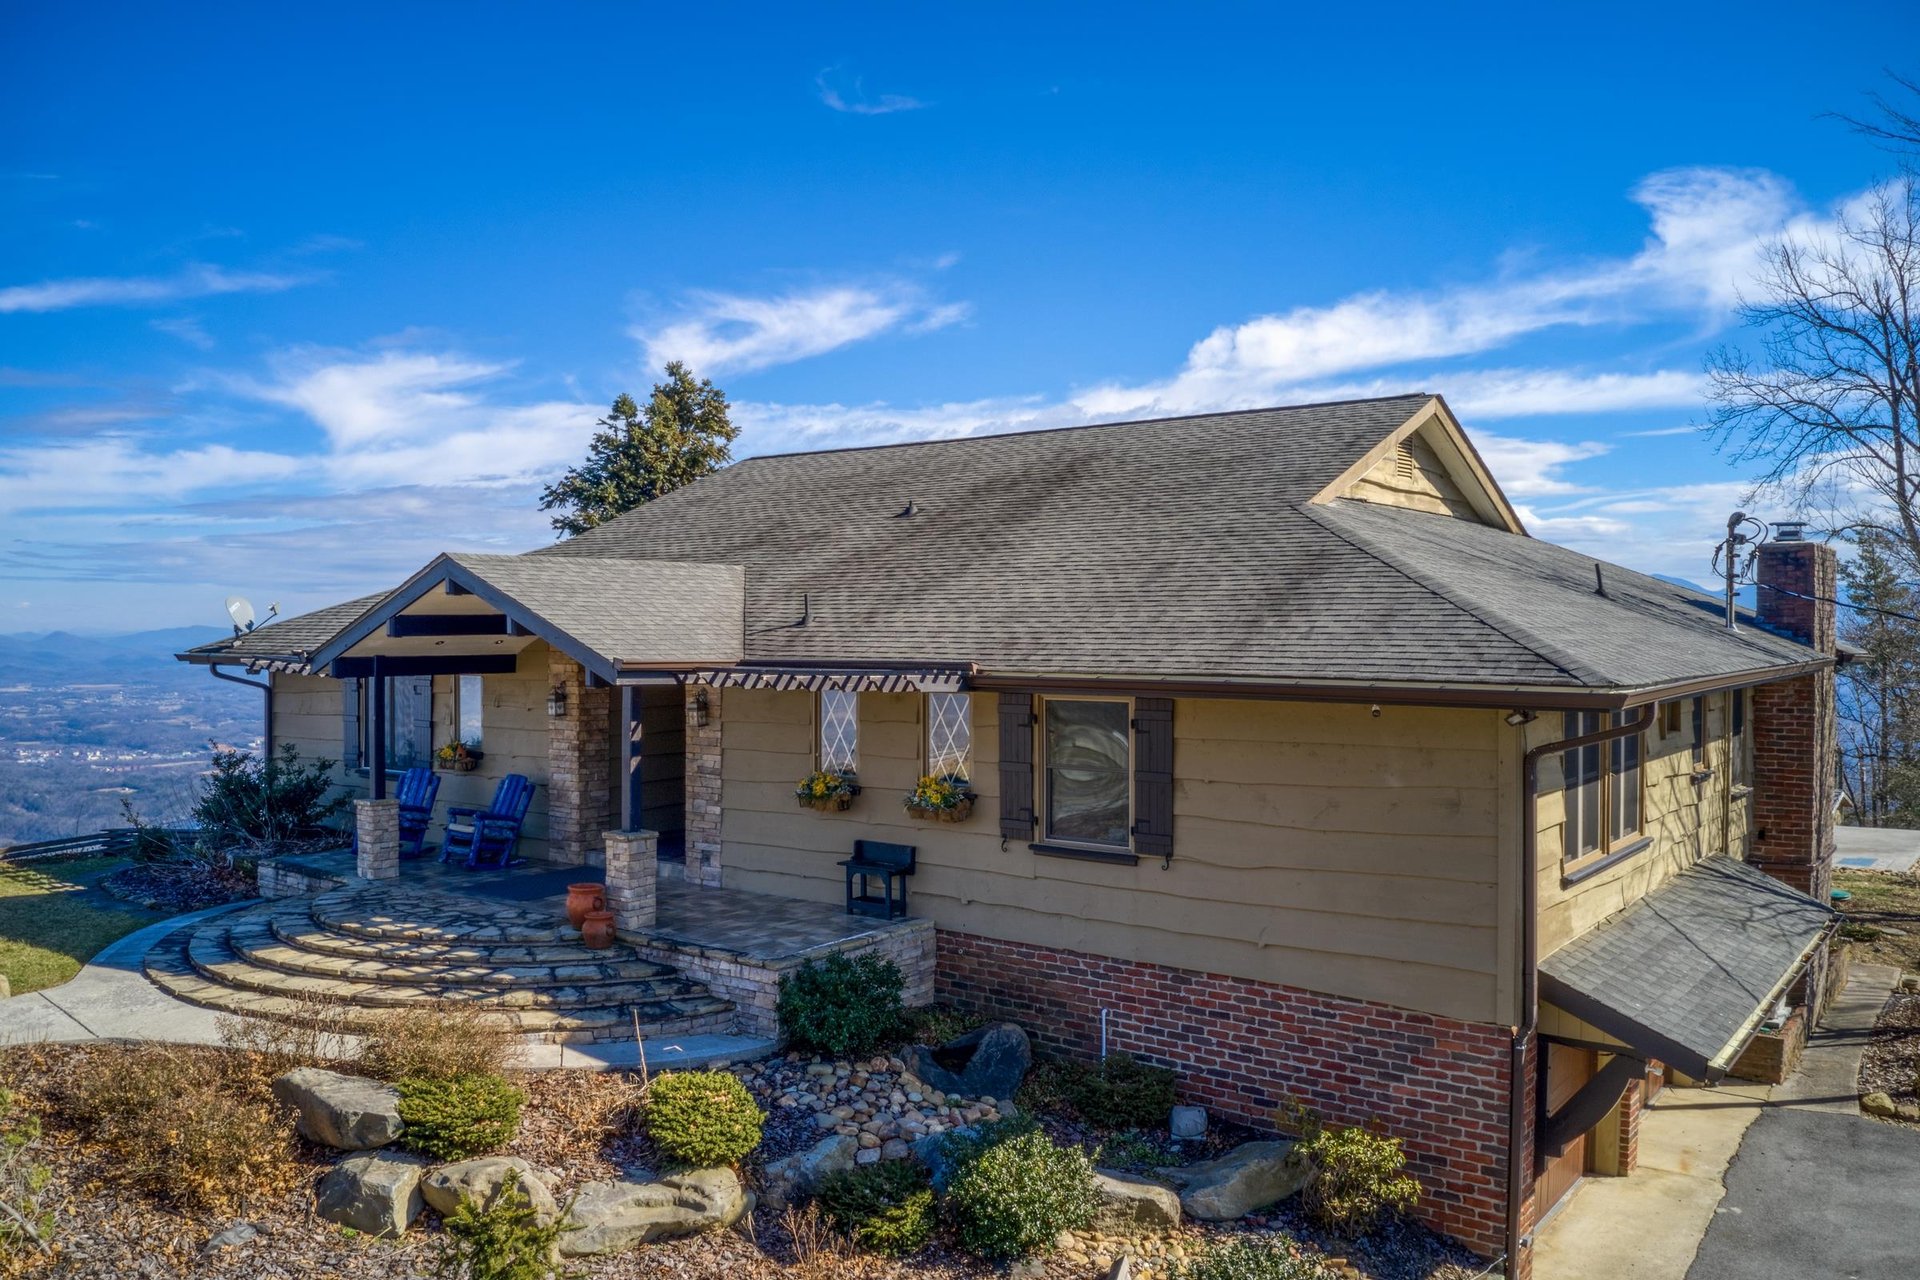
(607, 614)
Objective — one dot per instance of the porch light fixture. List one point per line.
(1518, 718)
(557, 702)
(702, 713)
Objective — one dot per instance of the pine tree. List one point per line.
(639, 454)
(1880, 691)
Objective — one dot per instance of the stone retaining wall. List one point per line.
(285, 880)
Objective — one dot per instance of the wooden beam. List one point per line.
(447, 624)
(631, 754)
(491, 664)
(455, 589)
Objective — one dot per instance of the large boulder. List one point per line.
(1251, 1176)
(348, 1113)
(802, 1172)
(1130, 1204)
(612, 1217)
(989, 1062)
(481, 1182)
(378, 1193)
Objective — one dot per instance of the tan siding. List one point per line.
(1314, 845)
(1418, 481)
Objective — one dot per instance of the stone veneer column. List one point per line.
(703, 788)
(376, 829)
(579, 765)
(633, 873)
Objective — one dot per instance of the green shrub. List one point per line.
(1018, 1194)
(842, 1006)
(935, 1024)
(26, 1223)
(886, 1207)
(702, 1118)
(1249, 1259)
(502, 1241)
(248, 801)
(1358, 1174)
(1121, 1093)
(460, 1118)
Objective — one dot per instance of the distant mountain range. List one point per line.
(35, 657)
(1743, 596)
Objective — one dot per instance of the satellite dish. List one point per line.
(241, 612)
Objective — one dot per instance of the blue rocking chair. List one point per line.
(488, 836)
(418, 786)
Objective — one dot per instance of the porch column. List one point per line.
(703, 785)
(633, 871)
(376, 828)
(579, 765)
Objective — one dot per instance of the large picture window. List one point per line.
(1602, 786)
(839, 713)
(1087, 772)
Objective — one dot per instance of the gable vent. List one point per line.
(1404, 467)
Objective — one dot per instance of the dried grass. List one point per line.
(435, 1042)
(317, 1036)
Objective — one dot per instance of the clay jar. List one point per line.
(597, 929)
(582, 898)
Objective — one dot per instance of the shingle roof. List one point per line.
(1681, 974)
(626, 610)
(288, 640)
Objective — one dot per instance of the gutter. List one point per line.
(1723, 1061)
(1523, 1034)
(266, 688)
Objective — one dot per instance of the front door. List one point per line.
(1567, 1069)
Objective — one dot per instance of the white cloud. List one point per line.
(846, 95)
(725, 332)
(394, 396)
(186, 328)
(1533, 468)
(134, 291)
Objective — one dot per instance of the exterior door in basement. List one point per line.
(1567, 1069)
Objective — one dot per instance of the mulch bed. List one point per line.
(176, 887)
(1892, 1058)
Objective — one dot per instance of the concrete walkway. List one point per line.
(111, 999)
(1651, 1226)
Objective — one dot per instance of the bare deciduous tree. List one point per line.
(1897, 128)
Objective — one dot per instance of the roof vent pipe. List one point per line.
(905, 511)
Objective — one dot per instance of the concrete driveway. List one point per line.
(1817, 1193)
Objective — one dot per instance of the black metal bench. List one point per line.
(891, 864)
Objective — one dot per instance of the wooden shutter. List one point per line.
(1153, 777)
(1016, 766)
(350, 724)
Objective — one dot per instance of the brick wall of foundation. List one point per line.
(1242, 1046)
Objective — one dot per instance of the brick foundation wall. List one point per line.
(1242, 1046)
(1771, 1056)
(1633, 1105)
(579, 767)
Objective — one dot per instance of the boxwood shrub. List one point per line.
(702, 1118)
(1014, 1197)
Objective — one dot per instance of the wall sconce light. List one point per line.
(702, 712)
(1518, 718)
(557, 702)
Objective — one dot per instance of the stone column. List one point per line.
(703, 787)
(376, 828)
(633, 871)
(579, 765)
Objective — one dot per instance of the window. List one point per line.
(1670, 719)
(1737, 744)
(839, 715)
(1087, 769)
(1603, 803)
(950, 735)
(403, 751)
(469, 698)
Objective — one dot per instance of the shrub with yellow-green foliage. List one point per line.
(703, 1119)
(460, 1118)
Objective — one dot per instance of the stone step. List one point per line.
(293, 924)
(265, 942)
(170, 966)
(434, 918)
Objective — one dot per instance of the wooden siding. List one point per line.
(1413, 476)
(1314, 845)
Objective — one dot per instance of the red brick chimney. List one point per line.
(1795, 738)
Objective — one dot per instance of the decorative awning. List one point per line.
(858, 680)
(1689, 972)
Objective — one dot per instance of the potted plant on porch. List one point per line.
(827, 790)
(458, 756)
(944, 798)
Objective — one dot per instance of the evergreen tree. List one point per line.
(639, 454)
(1879, 693)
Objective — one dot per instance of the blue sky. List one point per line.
(293, 298)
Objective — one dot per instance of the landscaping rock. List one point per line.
(237, 1233)
(347, 1113)
(1249, 1177)
(1122, 1269)
(1188, 1122)
(802, 1172)
(989, 1062)
(481, 1181)
(377, 1193)
(1130, 1204)
(1879, 1104)
(614, 1216)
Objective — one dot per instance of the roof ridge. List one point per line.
(1088, 426)
(1533, 644)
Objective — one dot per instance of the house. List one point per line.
(1299, 765)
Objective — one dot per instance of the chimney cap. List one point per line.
(1789, 530)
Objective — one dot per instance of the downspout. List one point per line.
(266, 688)
(1530, 961)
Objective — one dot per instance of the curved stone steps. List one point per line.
(259, 940)
(395, 914)
(294, 925)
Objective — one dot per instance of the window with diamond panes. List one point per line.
(839, 730)
(950, 735)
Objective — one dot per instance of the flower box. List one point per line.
(827, 792)
(837, 803)
(461, 764)
(957, 812)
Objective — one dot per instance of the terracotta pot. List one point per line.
(597, 929)
(582, 898)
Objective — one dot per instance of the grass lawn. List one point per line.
(1882, 902)
(52, 920)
